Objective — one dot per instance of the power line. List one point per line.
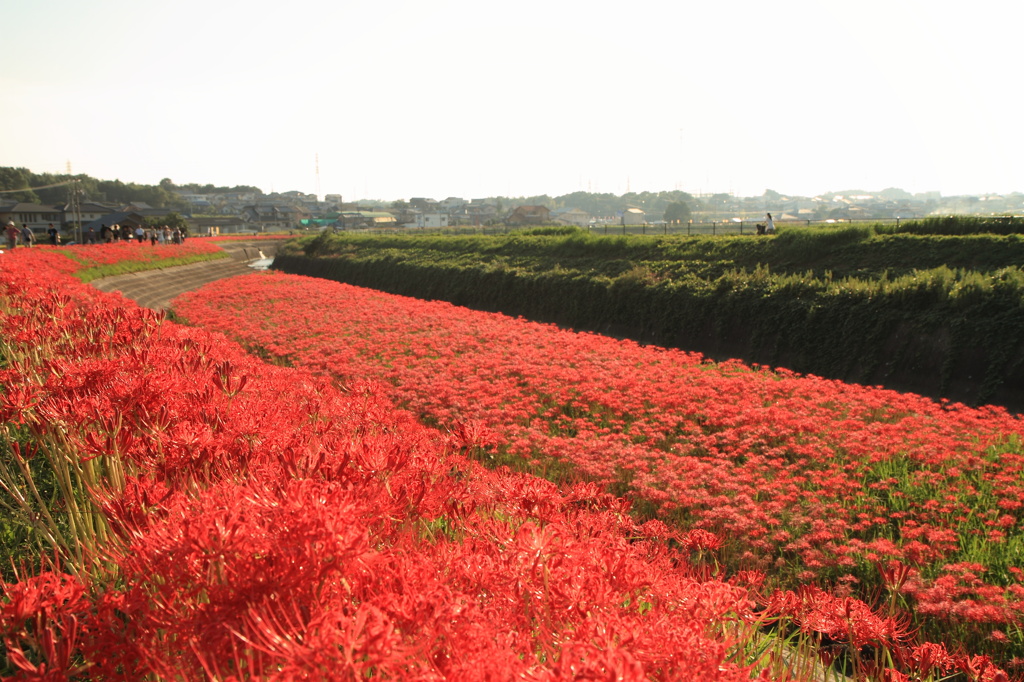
(30, 189)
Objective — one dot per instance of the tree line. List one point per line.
(654, 204)
(49, 189)
(674, 206)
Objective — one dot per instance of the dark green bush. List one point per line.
(936, 313)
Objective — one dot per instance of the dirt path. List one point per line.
(155, 288)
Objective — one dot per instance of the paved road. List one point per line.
(155, 288)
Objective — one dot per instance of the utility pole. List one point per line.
(75, 201)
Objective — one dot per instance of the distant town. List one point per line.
(83, 205)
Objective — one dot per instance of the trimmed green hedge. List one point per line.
(940, 314)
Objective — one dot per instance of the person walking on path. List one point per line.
(769, 224)
(54, 235)
(27, 236)
(11, 232)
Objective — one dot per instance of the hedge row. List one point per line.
(937, 314)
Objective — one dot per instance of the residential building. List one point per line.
(217, 225)
(131, 218)
(422, 204)
(361, 219)
(263, 218)
(428, 221)
(36, 216)
(452, 204)
(89, 211)
(477, 213)
(529, 215)
(634, 216)
(572, 216)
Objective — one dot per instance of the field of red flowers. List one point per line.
(178, 509)
(89, 256)
(863, 491)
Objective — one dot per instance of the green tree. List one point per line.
(50, 196)
(677, 212)
(156, 196)
(16, 178)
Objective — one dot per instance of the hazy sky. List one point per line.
(473, 98)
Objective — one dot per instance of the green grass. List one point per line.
(127, 267)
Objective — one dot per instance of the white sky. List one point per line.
(474, 98)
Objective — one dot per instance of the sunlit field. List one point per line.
(904, 502)
(391, 489)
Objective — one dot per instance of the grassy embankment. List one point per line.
(932, 306)
(128, 257)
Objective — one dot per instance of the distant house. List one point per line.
(479, 210)
(130, 218)
(427, 221)
(634, 216)
(146, 211)
(216, 225)
(235, 197)
(452, 204)
(197, 201)
(423, 204)
(572, 216)
(88, 212)
(362, 219)
(293, 214)
(529, 215)
(36, 216)
(271, 217)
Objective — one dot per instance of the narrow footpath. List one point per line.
(156, 288)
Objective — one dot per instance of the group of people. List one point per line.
(154, 235)
(107, 235)
(26, 237)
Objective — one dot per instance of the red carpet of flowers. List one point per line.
(90, 256)
(805, 479)
(260, 522)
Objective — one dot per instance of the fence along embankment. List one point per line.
(936, 314)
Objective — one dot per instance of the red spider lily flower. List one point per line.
(701, 540)
(894, 575)
(41, 625)
(297, 523)
(18, 398)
